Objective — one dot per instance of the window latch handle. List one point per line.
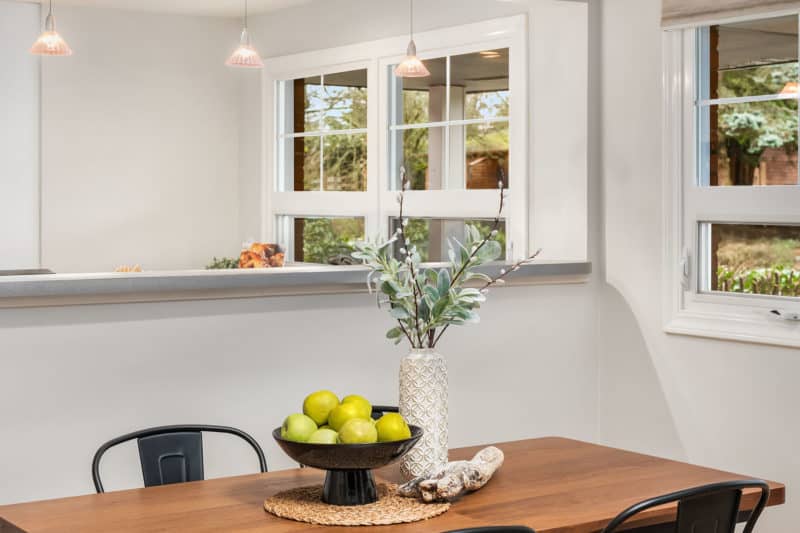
(685, 269)
(783, 315)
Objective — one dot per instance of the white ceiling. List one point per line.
(220, 8)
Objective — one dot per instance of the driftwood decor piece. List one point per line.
(455, 478)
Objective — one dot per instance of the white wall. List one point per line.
(77, 377)
(85, 374)
(722, 404)
(19, 137)
(140, 142)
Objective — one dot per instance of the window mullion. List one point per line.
(446, 177)
(322, 137)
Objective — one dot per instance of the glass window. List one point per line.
(754, 259)
(430, 235)
(325, 240)
(450, 130)
(323, 140)
(747, 103)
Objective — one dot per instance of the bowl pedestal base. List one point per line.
(349, 487)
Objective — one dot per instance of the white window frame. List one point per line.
(688, 309)
(377, 205)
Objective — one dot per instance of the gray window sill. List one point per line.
(79, 289)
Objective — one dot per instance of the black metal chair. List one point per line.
(713, 508)
(494, 529)
(380, 410)
(171, 454)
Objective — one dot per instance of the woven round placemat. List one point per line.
(305, 504)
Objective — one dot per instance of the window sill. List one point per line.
(758, 327)
(80, 289)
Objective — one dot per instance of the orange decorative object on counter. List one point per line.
(128, 268)
(262, 255)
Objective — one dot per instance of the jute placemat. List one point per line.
(305, 504)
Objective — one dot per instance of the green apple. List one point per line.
(358, 431)
(391, 427)
(344, 412)
(319, 404)
(323, 436)
(298, 427)
(363, 403)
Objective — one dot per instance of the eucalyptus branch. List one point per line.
(405, 332)
(417, 290)
(444, 296)
(436, 340)
(494, 281)
(489, 236)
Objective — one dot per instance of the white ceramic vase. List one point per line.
(423, 402)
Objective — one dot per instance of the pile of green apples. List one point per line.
(327, 420)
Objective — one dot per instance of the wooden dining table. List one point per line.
(550, 484)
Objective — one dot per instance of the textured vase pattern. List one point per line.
(423, 402)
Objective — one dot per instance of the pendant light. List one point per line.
(50, 43)
(246, 56)
(411, 66)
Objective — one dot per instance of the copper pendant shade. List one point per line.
(246, 56)
(411, 66)
(50, 43)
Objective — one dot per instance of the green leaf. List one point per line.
(490, 251)
(394, 333)
(439, 307)
(444, 282)
(399, 313)
(477, 275)
(389, 288)
(431, 292)
(424, 310)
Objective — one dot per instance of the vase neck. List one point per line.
(422, 352)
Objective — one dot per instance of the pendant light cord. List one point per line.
(410, 17)
(245, 13)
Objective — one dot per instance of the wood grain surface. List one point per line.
(550, 484)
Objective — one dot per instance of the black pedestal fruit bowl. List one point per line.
(349, 467)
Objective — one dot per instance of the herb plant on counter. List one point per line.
(224, 263)
(426, 302)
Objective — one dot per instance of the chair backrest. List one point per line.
(171, 454)
(494, 529)
(380, 410)
(708, 509)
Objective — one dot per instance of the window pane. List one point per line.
(479, 85)
(755, 259)
(421, 152)
(346, 100)
(430, 235)
(486, 154)
(751, 144)
(303, 169)
(333, 101)
(326, 240)
(308, 104)
(419, 100)
(345, 162)
(752, 58)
